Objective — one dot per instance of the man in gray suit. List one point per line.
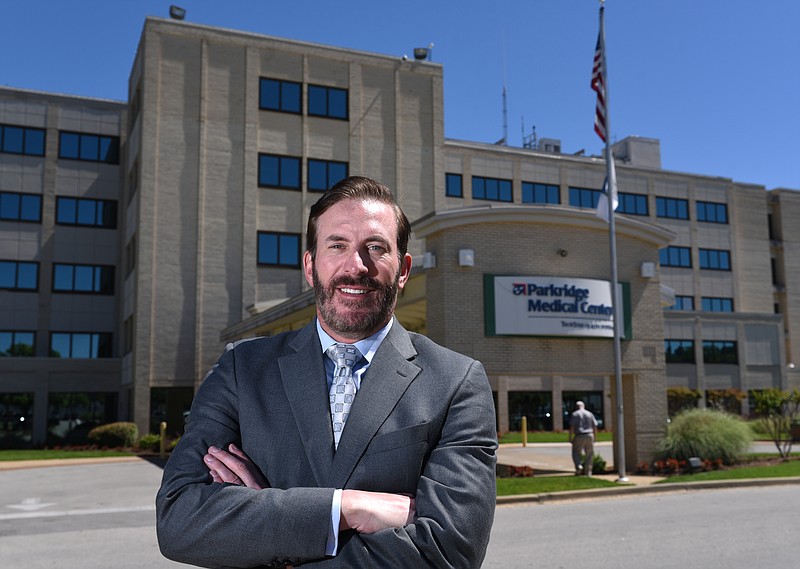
(405, 479)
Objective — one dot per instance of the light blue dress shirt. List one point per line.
(367, 347)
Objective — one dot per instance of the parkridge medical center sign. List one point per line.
(551, 306)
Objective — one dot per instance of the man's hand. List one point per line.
(233, 466)
(368, 512)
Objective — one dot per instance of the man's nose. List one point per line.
(357, 263)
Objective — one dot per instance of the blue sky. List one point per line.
(717, 82)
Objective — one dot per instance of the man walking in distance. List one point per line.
(582, 432)
(383, 458)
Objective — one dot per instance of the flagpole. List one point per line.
(617, 305)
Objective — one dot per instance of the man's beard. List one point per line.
(370, 312)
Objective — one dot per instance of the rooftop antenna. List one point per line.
(529, 140)
(505, 107)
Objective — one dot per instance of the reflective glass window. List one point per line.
(9, 206)
(13, 138)
(278, 95)
(540, 193)
(323, 174)
(279, 171)
(68, 145)
(584, 197)
(453, 186)
(279, 249)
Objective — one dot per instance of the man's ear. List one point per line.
(308, 268)
(405, 271)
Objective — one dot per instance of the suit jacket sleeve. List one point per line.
(456, 493)
(216, 525)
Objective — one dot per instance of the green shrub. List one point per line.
(151, 442)
(114, 435)
(705, 433)
(598, 464)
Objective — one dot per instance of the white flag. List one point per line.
(602, 203)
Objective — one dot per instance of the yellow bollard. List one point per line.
(524, 431)
(162, 444)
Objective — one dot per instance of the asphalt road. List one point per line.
(740, 528)
(102, 515)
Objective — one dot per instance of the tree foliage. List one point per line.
(680, 399)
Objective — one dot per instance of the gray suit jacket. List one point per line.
(423, 423)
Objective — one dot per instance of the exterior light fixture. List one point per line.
(466, 257)
(176, 12)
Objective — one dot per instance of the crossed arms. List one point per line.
(279, 515)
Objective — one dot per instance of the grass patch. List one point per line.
(50, 454)
(544, 484)
(548, 437)
(777, 470)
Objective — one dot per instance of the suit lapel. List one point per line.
(303, 376)
(384, 383)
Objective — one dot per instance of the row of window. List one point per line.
(287, 97)
(22, 140)
(277, 171)
(71, 145)
(85, 212)
(714, 352)
(90, 279)
(496, 189)
(91, 345)
(707, 304)
(712, 259)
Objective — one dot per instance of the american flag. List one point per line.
(599, 86)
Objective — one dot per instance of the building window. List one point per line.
(679, 351)
(88, 147)
(86, 212)
(93, 279)
(453, 186)
(673, 208)
(279, 249)
(20, 207)
(19, 275)
(130, 255)
(323, 174)
(327, 102)
(492, 189)
(675, 257)
(278, 95)
(715, 304)
(719, 352)
(540, 193)
(129, 330)
(91, 345)
(278, 171)
(632, 204)
(584, 197)
(22, 140)
(682, 303)
(712, 212)
(17, 344)
(715, 259)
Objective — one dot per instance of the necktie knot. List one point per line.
(345, 356)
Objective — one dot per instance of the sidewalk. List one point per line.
(556, 458)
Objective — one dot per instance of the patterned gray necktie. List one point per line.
(343, 388)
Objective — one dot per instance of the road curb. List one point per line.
(636, 490)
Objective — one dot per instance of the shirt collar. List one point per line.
(367, 346)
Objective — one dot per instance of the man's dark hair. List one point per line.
(358, 188)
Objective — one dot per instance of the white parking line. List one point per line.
(88, 512)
